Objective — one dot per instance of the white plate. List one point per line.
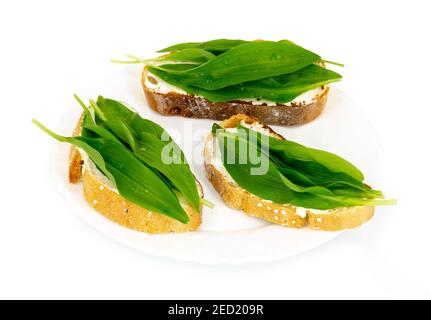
(226, 235)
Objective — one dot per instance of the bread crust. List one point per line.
(75, 160)
(113, 206)
(191, 106)
(283, 214)
(126, 213)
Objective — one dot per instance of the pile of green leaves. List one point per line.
(226, 70)
(127, 149)
(296, 175)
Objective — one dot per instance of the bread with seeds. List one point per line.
(100, 194)
(285, 215)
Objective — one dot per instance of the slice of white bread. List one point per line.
(283, 214)
(169, 100)
(102, 196)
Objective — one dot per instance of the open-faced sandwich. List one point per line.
(256, 170)
(276, 82)
(132, 170)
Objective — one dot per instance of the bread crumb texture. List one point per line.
(116, 208)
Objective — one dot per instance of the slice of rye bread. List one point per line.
(190, 106)
(101, 195)
(283, 214)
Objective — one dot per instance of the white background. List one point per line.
(50, 49)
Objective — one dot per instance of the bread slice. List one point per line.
(102, 196)
(177, 102)
(283, 214)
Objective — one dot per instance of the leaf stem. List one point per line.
(207, 203)
(49, 132)
(98, 111)
(134, 60)
(82, 104)
(351, 201)
(385, 202)
(124, 62)
(334, 63)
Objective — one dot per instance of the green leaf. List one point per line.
(113, 109)
(180, 46)
(167, 67)
(317, 167)
(301, 173)
(329, 160)
(133, 179)
(267, 186)
(149, 141)
(292, 150)
(288, 180)
(247, 62)
(310, 75)
(281, 89)
(151, 151)
(298, 188)
(136, 182)
(123, 131)
(93, 153)
(188, 55)
(245, 69)
(215, 46)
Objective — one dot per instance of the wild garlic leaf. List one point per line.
(287, 181)
(298, 188)
(122, 135)
(310, 173)
(292, 150)
(215, 46)
(148, 141)
(136, 182)
(133, 179)
(195, 55)
(311, 74)
(123, 131)
(329, 160)
(180, 46)
(93, 153)
(218, 47)
(301, 81)
(247, 62)
(173, 166)
(115, 110)
(331, 181)
(150, 150)
(268, 186)
(308, 78)
(168, 67)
